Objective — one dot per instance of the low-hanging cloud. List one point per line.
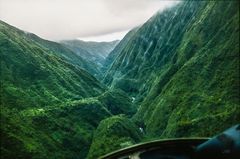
(70, 19)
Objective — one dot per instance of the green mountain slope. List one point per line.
(182, 66)
(63, 131)
(34, 81)
(175, 76)
(66, 53)
(204, 81)
(49, 105)
(113, 133)
(149, 50)
(32, 73)
(117, 50)
(117, 102)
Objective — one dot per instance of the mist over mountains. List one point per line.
(175, 76)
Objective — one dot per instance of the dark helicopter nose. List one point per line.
(223, 146)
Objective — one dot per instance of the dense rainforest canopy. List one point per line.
(177, 75)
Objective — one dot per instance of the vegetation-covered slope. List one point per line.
(203, 85)
(117, 102)
(150, 49)
(184, 65)
(181, 67)
(49, 105)
(114, 133)
(35, 81)
(33, 76)
(63, 131)
(65, 53)
(117, 50)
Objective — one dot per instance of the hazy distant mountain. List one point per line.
(177, 75)
(95, 52)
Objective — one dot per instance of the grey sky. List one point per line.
(101, 20)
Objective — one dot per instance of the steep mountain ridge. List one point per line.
(50, 106)
(181, 62)
(204, 77)
(117, 50)
(149, 50)
(31, 71)
(64, 52)
(176, 74)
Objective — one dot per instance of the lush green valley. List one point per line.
(175, 76)
(49, 105)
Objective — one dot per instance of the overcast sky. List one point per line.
(96, 20)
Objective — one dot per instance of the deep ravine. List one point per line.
(50, 104)
(168, 78)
